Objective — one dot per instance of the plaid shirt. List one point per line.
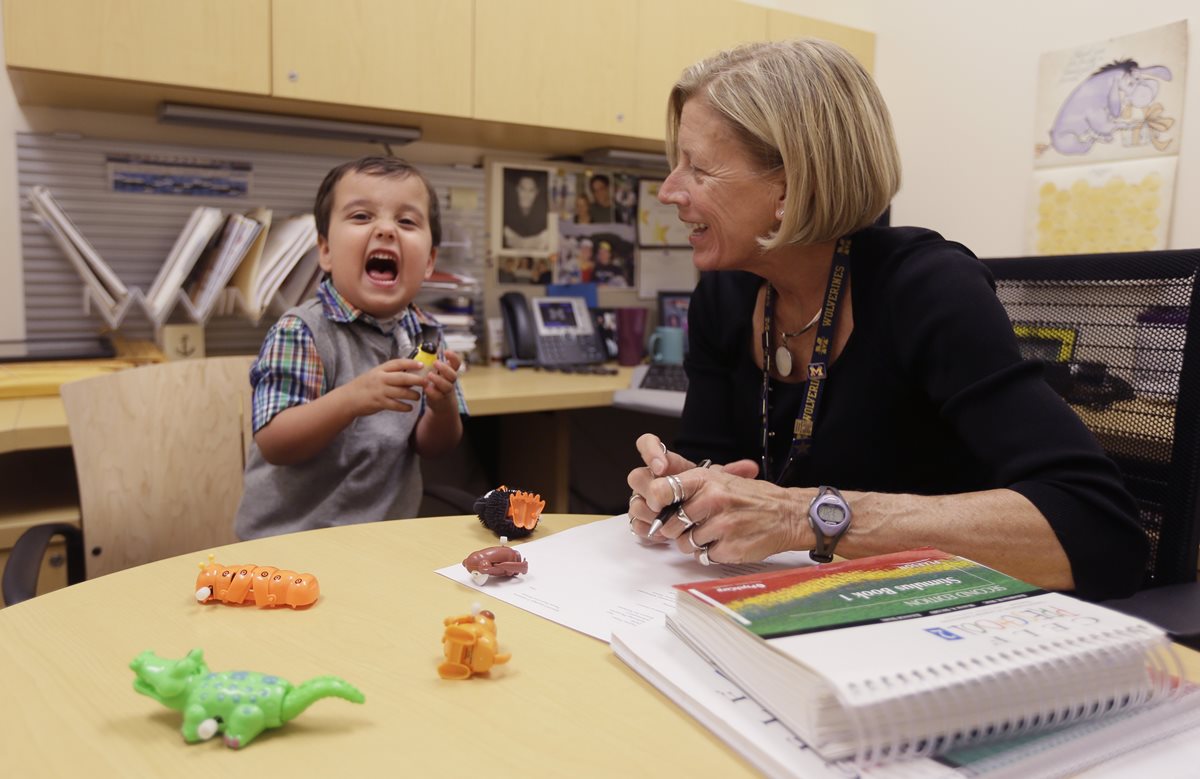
(288, 371)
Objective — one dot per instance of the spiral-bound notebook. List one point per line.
(919, 653)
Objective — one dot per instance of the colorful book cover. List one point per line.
(884, 588)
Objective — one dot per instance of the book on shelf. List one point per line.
(286, 243)
(918, 653)
(203, 224)
(105, 287)
(302, 282)
(239, 237)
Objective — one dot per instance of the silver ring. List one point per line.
(704, 557)
(676, 489)
(634, 497)
(664, 448)
(695, 547)
(684, 518)
(705, 463)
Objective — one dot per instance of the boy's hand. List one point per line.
(439, 384)
(387, 387)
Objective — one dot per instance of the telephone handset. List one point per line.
(553, 332)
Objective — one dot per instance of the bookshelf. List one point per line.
(134, 233)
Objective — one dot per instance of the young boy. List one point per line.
(340, 411)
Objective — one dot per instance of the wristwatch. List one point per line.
(829, 515)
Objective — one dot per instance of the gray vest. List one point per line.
(368, 472)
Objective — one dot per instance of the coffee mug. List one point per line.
(666, 345)
(631, 335)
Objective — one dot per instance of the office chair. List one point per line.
(159, 456)
(1120, 337)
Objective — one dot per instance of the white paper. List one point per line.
(597, 577)
(666, 270)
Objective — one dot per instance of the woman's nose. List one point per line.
(670, 193)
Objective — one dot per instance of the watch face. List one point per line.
(830, 513)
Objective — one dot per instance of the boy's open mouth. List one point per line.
(382, 267)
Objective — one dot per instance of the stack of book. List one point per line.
(913, 654)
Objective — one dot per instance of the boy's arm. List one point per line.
(299, 433)
(293, 419)
(439, 429)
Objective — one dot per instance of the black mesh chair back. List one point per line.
(1120, 336)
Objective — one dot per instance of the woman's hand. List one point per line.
(649, 483)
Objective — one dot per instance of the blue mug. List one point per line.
(666, 345)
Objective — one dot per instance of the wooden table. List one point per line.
(563, 706)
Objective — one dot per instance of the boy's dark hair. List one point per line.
(388, 167)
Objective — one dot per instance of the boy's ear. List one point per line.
(432, 260)
(323, 257)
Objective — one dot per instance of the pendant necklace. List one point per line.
(783, 355)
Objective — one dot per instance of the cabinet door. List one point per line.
(565, 64)
(215, 44)
(674, 34)
(860, 43)
(403, 55)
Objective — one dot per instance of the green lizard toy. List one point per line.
(241, 704)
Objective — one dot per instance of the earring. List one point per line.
(779, 214)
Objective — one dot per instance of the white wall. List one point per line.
(960, 77)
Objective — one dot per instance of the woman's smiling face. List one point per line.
(720, 191)
(380, 247)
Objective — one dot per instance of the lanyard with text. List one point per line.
(818, 364)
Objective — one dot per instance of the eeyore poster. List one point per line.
(1115, 100)
(1107, 143)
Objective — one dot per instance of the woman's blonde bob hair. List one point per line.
(808, 108)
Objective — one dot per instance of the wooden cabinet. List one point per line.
(545, 77)
(673, 34)
(569, 65)
(860, 43)
(403, 55)
(214, 44)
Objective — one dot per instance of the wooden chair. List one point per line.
(159, 456)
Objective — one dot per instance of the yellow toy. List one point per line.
(469, 644)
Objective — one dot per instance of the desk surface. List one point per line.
(563, 702)
(40, 422)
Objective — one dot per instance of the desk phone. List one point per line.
(553, 331)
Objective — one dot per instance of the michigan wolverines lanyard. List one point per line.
(818, 364)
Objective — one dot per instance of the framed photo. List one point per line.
(673, 309)
(526, 209)
(605, 320)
